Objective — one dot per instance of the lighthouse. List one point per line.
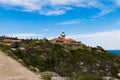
(63, 35)
(62, 39)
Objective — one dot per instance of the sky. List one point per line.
(93, 22)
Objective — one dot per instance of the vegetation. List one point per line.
(79, 63)
(46, 77)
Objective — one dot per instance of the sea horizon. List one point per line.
(117, 52)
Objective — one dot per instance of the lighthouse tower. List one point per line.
(63, 35)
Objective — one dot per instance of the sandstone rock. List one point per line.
(60, 78)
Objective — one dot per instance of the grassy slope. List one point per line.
(82, 63)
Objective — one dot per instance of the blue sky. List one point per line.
(93, 22)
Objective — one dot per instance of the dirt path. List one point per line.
(12, 70)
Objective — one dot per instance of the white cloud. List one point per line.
(102, 13)
(25, 35)
(57, 7)
(117, 2)
(28, 5)
(107, 39)
(61, 2)
(54, 12)
(113, 34)
(70, 22)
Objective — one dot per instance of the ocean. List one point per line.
(114, 52)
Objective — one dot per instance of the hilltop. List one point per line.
(73, 60)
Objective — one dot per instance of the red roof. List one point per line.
(66, 40)
(57, 39)
(70, 40)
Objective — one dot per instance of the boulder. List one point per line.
(59, 78)
(53, 74)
